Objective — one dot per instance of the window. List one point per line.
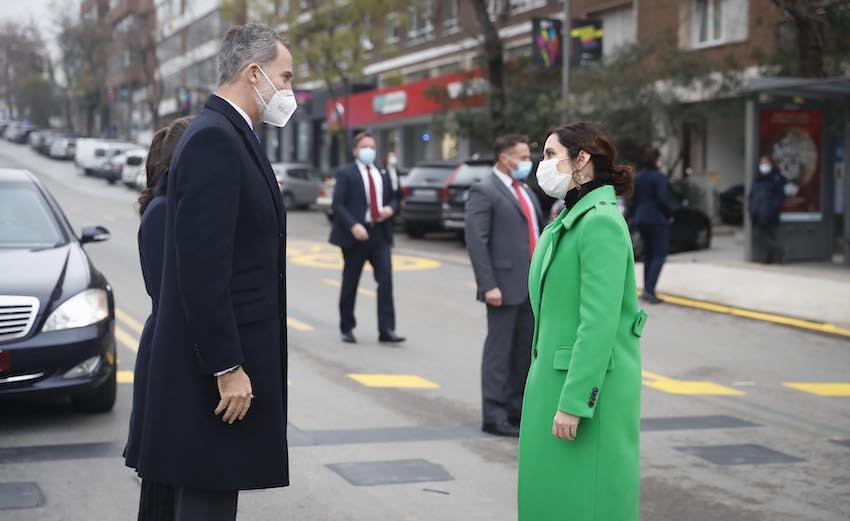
(448, 15)
(716, 22)
(619, 28)
(526, 5)
(204, 30)
(170, 48)
(420, 21)
(393, 28)
(26, 219)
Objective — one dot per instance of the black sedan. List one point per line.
(56, 310)
(422, 192)
(456, 192)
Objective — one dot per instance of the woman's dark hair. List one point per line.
(595, 139)
(650, 157)
(162, 147)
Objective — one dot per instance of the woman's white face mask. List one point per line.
(553, 182)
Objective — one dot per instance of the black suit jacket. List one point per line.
(350, 206)
(222, 303)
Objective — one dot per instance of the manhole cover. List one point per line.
(365, 474)
(20, 495)
(747, 454)
(694, 423)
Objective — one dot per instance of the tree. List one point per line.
(816, 42)
(493, 52)
(333, 39)
(22, 55)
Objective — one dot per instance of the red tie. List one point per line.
(373, 196)
(526, 211)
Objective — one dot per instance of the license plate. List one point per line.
(424, 195)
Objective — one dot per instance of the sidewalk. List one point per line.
(813, 292)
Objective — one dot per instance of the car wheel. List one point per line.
(100, 399)
(703, 239)
(288, 201)
(413, 231)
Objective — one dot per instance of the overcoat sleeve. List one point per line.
(208, 184)
(603, 253)
(341, 211)
(479, 218)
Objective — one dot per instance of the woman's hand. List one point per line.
(565, 426)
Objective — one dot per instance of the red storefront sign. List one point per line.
(792, 138)
(460, 89)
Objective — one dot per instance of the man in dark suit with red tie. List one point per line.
(503, 221)
(364, 205)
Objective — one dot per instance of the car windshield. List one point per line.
(99, 152)
(26, 220)
(427, 175)
(468, 174)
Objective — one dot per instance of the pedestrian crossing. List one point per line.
(128, 328)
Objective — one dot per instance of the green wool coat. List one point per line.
(585, 362)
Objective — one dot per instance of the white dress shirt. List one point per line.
(508, 181)
(379, 186)
(240, 111)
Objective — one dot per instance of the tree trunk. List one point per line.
(493, 52)
(809, 36)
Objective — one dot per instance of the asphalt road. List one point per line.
(725, 435)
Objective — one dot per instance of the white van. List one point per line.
(91, 154)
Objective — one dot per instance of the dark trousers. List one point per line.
(378, 252)
(773, 250)
(656, 242)
(504, 365)
(156, 502)
(205, 505)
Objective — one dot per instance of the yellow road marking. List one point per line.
(326, 256)
(406, 381)
(131, 342)
(472, 285)
(673, 386)
(337, 284)
(821, 388)
(129, 321)
(125, 377)
(756, 315)
(298, 325)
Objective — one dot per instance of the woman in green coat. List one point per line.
(579, 438)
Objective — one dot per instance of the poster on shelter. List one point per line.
(792, 138)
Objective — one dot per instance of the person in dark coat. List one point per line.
(650, 211)
(215, 406)
(364, 206)
(765, 204)
(156, 501)
(503, 223)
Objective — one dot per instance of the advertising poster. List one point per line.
(792, 138)
(548, 49)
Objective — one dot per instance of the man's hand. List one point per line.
(387, 212)
(493, 297)
(359, 232)
(236, 395)
(565, 426)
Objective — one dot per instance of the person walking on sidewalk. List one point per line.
(364, 205)
(765, 204)
(650, 211)
(503, 219)
(579, 439)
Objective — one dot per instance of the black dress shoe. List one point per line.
(501, 429)
(650, 298)
(348, 337)
(390, 337)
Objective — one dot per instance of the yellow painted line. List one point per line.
(687, 387)
(404, 381)
(809, 325)
(298, 325)
(821, 388)
(322, 255)
(131, 342)
(338, 284)
(125, 377)
(472, 285)
(129, 321)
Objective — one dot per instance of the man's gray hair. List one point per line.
(244, 44)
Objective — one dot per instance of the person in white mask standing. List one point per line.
(364, 206)
(221, 338)
(503, 222)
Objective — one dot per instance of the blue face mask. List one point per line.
(366, 155)
(522, 170)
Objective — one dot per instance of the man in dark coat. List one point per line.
(503, 222)
(215, 410)
(364, 205)
(650, 211)
(765, 204)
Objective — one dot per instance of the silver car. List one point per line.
(299, 183)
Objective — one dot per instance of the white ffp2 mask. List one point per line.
(555, 184)
(280, 107)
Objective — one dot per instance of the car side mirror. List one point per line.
(94, 234)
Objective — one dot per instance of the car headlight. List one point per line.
(83, 309)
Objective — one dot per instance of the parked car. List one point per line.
(19, 132)
(455, 194)
(133, 173)
(299, 184)
(422, 191)
(113, 169)
(324, 203)
(90, 154)
(56, 309)
(731, 205)
(63, 147)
